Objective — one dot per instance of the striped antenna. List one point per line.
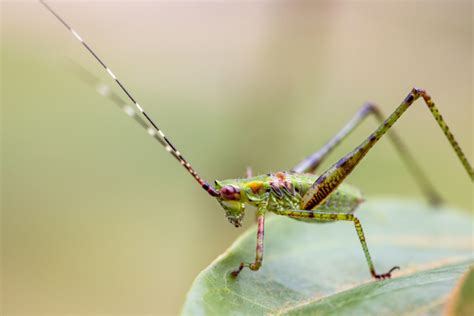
(153, 130)
(107, 92)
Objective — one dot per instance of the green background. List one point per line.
(98, 219)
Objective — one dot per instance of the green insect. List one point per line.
(300, 193)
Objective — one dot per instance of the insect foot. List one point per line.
(384, 276)
(236, 272)
(252, 266)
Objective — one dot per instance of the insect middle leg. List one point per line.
(326, 216)
(312, 162)
(249, 172)
(335, 175)
(259, 251)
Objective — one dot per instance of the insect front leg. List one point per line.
(254, 266)
(325, 216)
(336, 174)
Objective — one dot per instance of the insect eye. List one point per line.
(229, 192)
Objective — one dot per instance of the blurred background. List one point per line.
(97, 219)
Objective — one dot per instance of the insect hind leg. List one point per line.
(335, 175)
(312, 162)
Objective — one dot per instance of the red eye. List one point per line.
(230, 193)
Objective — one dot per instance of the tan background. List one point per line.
(98, 220)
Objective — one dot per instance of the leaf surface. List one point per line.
(320, 269)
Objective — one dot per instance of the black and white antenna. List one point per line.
(153, 129)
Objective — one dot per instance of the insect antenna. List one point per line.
(153, 129)
(107, 92)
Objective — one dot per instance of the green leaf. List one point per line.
(461, 302)
(320, 269)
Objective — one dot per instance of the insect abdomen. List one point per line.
(344, 200)
(341, 201)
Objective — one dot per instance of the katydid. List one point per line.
(300, 193)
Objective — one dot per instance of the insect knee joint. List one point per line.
(255, 266)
